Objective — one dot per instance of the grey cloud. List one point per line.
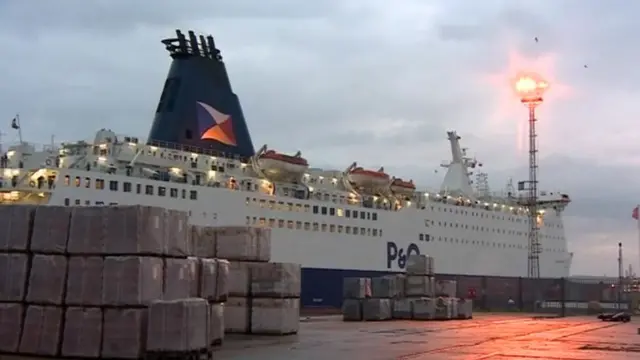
(316, 77)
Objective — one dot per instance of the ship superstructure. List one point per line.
(335, 223)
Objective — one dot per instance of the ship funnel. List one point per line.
(197, 107)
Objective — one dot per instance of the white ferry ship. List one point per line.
(199, 158)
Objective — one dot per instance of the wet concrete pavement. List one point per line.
(487, 336)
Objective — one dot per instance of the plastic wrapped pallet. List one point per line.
(420, 265)
(376, 309)
(276, 280)
(47, 279)
(401, 283)
(51, 229)
(124, 333)
(237, 312)
(177, 234)
(178, 325)
(356, 288)
(203, 241)
(239, 284)
(465, 309)
(41, 331)
(195, 269)
(443, 308)
(352, 310)
(15, 226)
(446, 288)
(453, 304)
(243, 243)
(133, 230)
(385, 287)
(423, 308)
(82, 332)
(419, 285)
(275, 316)
(13, 276)
(214, 279)
(179, 277)
(87, 230)
(216, 324)
(131, 280)
(403, 309)
(10, 325)
(84, 282)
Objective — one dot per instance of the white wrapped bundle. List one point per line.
(352, 310)
(179, 278)
(13, 277)
(419, 285)
(424, 308)
(214, 280)
(275, 316)
(42, 330)
(356, 288)
(376, 309)
(47, 279)
(178, 325)
(131, 280)
(237, 312)
(243, 243)
(403, 309)
(276, 280)
(203, 241)
(87, 231)
(216, 324)
(84, 283)
(10, 325)
(446, 288)
(420, 265)
(15, 226)
(51, 229)
(82, 332)
(123, 335)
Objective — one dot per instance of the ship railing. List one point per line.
(196, 150)
(37, 147)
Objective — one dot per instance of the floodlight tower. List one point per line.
(530, 87)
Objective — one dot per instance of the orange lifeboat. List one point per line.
(368, 178)
(406, 188)
(275, 162)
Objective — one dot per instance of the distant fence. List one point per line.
(566, 296)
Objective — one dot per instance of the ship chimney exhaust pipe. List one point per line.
(197, 108)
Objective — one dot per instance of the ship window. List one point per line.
(306, 208)
(126, 187)
(162, 191)
(347, 213)
(427, 237)
(315, 209)
(347, 229)
(298, 208)
(272, 223)
(77, 181)
(374, 216)
(380, 232)
(315, 226)
(354, 214)
(324, 227)
(298, 225)
(362, 231)
(368, 216)
(421, 237)
(113, 185)
(99, 184)
(368, 232)
(324, 210)
(332, 211)
(77, 201)
(340, 228)
(174, 192)
(87, 182)
(87, 202)
(375, 232)
(307, 225)
(138, 188)
(289, 206)
(262, 221)
(362, 215)
(332, 228)
(248, 220)
(280, 206)
(193, 195)
(148, 190)
(66, 201)
(280, 223)
(339, 212)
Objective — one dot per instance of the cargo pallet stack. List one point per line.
(415, 295)
(104, 282)
(263, 297)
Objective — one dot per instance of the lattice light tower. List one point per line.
(531, 87)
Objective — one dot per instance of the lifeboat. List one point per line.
(401, 187)
(279, 164)
(364, 178)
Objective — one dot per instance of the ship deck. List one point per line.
(487, 336)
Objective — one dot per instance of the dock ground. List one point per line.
(487, 336)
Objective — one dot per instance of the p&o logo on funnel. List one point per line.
(215, 125)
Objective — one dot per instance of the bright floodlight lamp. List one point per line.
(530, 88)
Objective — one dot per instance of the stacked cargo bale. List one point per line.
(85, 276)
(416, 295)
(263, 297)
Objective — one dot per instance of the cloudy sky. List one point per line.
(369, 80)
